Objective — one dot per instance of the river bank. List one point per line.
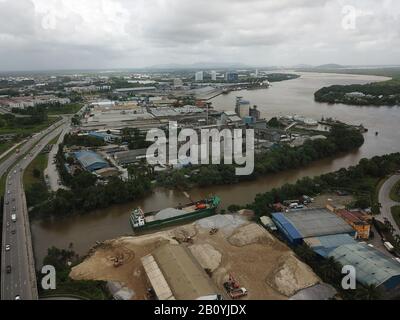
(288, 97)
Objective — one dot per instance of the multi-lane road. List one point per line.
(387, 203)
(18, 278)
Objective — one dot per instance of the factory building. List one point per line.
(372, 266)
(324, 245)
(109, 138)
(131, 156)
(91, 161)
(358, 220)
(300, 224)
(175, 274)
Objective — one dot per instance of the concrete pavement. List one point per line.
(386, 202)
(51, 172)
(20, 281)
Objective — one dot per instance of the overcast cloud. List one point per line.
(72, 34)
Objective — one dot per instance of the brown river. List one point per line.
(283, 98)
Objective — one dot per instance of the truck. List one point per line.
(389, 247)
(238, 293)
(14, 217)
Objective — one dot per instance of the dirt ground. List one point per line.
(322, 200)
(266, 267)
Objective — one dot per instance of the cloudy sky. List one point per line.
(74, 34)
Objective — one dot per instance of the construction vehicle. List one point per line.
(118, 261)
(213, 231)
(234, 289)
(238, 293)
(231, 284)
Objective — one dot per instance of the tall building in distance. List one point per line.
(198, 76)
(242, 107)
(254, 113)
(213, 75)
(256, 73)
(231, 76)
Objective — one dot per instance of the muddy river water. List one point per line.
(283, 98)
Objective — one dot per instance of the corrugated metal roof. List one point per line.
(89, 158)
(321, 291)
(126, 157)
(323, 245)
(287, 225)
(372, 266)
(184, 275)
(156, 278)
(317, 222)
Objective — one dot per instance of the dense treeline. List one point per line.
(134, 138)
(360, 180)
(49, 108)
(85, 195)
(341, 139)
(379, 93)
(11, 121)
(83, 141)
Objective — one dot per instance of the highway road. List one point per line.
(386, 202)
(19, 281)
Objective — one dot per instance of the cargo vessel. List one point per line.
(141, 221)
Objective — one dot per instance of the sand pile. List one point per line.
(251, 233)
(225, 223)
(206, 255)
(291, 275)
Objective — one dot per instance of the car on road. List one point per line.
(8, 192)
(14, 208)
(8, 224)
(7, 202)
(13, 231)
(17, 297)
(15, 171)
(8, 247)
(8, 269)
(14, 217)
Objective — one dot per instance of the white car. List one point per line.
(8, 247)
(17, 297)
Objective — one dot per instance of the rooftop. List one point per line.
(372, 266)
(314, 222)
(184, 275)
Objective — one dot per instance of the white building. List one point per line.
(198, 76)
(213, 75)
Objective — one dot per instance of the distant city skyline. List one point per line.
(113, 34)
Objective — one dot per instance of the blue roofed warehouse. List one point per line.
(91, 161)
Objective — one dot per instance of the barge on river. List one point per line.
(141, 221)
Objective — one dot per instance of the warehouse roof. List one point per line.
(125, 157)
(372, 266)
(323, 245)
(91, 160)
(316, 222)
(184, 275)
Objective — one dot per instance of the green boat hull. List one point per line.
(192, 216)
(176, 220)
